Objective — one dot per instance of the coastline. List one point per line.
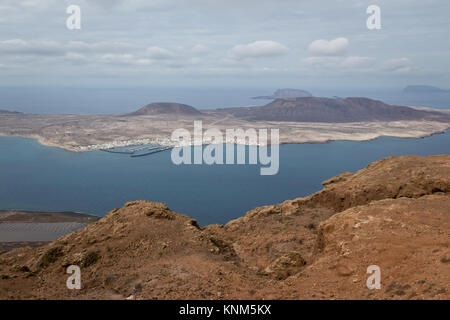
(22, 228)
(322, 138)
(16, 215)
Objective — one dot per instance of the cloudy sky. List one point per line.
(271, 43)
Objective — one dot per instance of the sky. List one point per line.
(241, 43)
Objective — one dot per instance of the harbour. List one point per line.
(138, 151)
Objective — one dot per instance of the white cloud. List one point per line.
(33, 47)
(336, 47)
(51, 48)
(352, 62)
(77, 52)
(367, 64)
(358, 62)
(126, 59)
(75, 57)
(200, 49)
(101, 46)
(205, 44)
(159, 53)
(263, 48)
(27, 4)
(107, 4)
(401, 65)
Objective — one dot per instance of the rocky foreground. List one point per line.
(395, 214)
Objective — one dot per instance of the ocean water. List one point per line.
(121, 100)
(54, 100)
(35, 177)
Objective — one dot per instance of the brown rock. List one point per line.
(394, 214)
(286, 265)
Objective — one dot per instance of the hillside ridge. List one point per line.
(394, 213)
(158, 108)
(331, 110)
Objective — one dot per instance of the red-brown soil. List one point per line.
(395, 214)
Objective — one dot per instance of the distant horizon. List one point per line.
(111, 100)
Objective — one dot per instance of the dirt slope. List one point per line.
(394, 214)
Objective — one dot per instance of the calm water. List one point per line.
(35, 177)
(122, 100)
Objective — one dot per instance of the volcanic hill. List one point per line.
(315, 109)
(165, 108)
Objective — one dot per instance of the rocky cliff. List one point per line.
(395, 214)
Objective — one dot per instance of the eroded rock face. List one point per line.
(394, 214)
(405, 237)
(389, 178)
(287, 265)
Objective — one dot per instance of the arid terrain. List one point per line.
(395, 213)
(299, 120)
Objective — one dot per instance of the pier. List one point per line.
(154, 150)
(120, 152)
(134, 152)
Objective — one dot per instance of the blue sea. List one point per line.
(36, 177)
(52, 100)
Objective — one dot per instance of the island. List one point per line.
(424, 89)
(299, 120)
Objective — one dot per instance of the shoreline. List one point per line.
(41, 216)
(21, 228)
(46, 212)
